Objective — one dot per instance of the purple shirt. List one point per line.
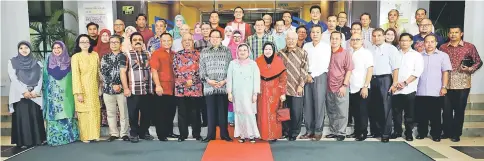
(430, 81)
(340, 63)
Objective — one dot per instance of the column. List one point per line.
(473, 33)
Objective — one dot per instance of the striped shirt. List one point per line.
(367, 33)
(139, 75)
(256, 44)
(202, 44)
(296, 64)
(214, 63)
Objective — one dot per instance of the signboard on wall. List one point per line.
(404, 7)
(128, 10)
(100, 13)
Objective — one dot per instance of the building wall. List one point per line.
(191, 15)
(473, 33)
(16, 31)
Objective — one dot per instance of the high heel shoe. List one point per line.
(241, 140)
(252, 141)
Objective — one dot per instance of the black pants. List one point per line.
(165, 111)
(217, 111)
(203, 110)
(296, 105)
(403, 103)
(429, 108)
(189, 112)
(140, 104)
(359, 109)
(453, 115)
(380, 111)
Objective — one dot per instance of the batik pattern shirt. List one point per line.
(185, 67)
(110, 72)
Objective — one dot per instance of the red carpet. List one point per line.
(219, 150)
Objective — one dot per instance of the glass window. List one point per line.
(40, 13)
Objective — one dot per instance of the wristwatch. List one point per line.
(444, 87)
(405, 82)
(345, 85)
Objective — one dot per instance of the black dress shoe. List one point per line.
(173, 136)
(134, 139)
(374, 136)
(436, 139)
(147, 137)
(385, 140)
(409, 138)
(292, 138)
(395, 135)
(351, 135)
(112, 138)
(331, 136)
(360, 138)
(419, 137)
(198, 138)
(162, 138)
(125, 138)
(181, 139)
(455, 139)
(444, 137)
(206, 140)
(340, 138)
(228, 139)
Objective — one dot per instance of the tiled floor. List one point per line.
(468, 149)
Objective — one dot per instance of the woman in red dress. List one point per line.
(273, 89)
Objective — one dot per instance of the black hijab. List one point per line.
(26, 67)
(269, 59)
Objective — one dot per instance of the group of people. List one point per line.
(229, 76)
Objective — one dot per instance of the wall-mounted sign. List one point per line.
(283, 4)
(128, 10)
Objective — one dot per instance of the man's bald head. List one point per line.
(356, 41)
(187, 41)
(425, 26)
(291, 39)
(184, 29)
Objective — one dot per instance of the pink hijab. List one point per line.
(247, 60)
(233, 46)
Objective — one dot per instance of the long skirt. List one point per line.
(27, 124)
(246, 126)
(89, 127)
(61, 132)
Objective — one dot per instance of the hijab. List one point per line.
(175, 32)
(197, 36)
(226, 40)
(59, 66)
(27, 68)
(271, 58)
(246, 60)
(103, 48)
(233, 46)
(271, 67)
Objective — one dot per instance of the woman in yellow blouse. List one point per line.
(394, 22)
(85, 82)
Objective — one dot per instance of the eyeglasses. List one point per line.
(215, 37)
(114, 43)
(425, 25)
(237, 36)
(84, 42)
(118, 24)
(356, 39)
(405, 40)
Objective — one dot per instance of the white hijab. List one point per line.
(226, 40)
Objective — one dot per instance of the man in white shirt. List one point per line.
(279, 35)
(287, 17)
(412, 28)
(332, 23)
(360, 85)
(177, 44)
(404, 91)
(319, 55)
(356, 29)
(386, 61)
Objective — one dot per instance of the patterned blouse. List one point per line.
(185, 66)
(458, 79)
(154, 44)
(110, 72)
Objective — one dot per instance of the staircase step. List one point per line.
(475, 106)
(473, 129)
(474, 116)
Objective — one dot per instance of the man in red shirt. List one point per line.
(240, 25)
(214, 22)
(142, 28)
(161, 63)
(337, 97)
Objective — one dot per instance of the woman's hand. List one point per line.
(231, 97)
(283, 98)
(80, 98)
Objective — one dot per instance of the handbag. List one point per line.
(283, 113)
(467, 61)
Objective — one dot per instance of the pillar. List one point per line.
(473, 33)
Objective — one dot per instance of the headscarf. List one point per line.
(175, 32)
(102, 48)
(197, 36)
(247, 60)
(27, 68)
(273, 68)
(226, 40)
(271, 58)
(59, 66)
(127, 42)
(233, 46)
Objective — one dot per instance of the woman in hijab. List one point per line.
(24, 99)
(243, 85)
(102, 46)
(273, 92)
(85, 86)
(229, 30)
(175, 32)
(197, 32)
(235, 41)
(59, 106)
(126, 45)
